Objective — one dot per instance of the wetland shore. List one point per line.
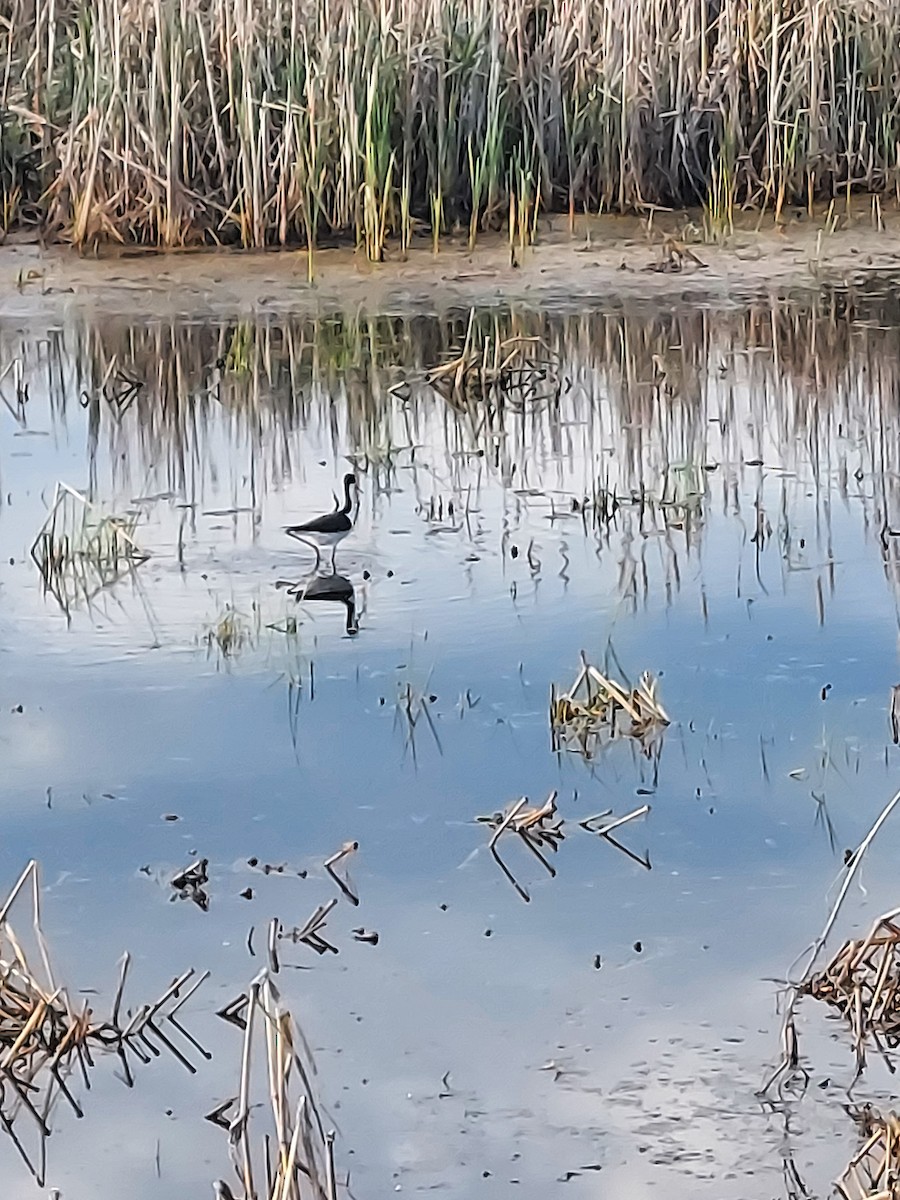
(611, 259)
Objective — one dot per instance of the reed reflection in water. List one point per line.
(630, 429)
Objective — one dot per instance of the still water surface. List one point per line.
(711, 496)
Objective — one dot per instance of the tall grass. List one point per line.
(281, 122)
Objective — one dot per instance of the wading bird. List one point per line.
(329, 529)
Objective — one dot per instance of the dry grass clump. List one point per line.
(79, 551)
(596, 711)
(229, 634)
(874, 1171)
(273, 122)
(862, 982)
(293, 1159)
(495, 367)
(45, 1039)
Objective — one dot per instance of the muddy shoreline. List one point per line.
(609, 260)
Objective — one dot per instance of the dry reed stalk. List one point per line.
(44, 1039)
(790, 1066)
(862, 982)
(340, 857)
(603, 824)
(310, 932)
(873, 1172)
(295, 1159)
(411, 705)
(540, 828)
(587, 716)
(895, 714)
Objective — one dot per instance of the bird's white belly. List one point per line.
(322, 539)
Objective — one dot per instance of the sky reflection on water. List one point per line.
(749, 562)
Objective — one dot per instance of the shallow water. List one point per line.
(709, 496)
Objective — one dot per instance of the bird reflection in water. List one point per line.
(328, 588)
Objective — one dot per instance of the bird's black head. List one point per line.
(349, 479)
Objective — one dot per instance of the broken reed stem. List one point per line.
(330, 1181)
(239, 1131)
(45, 1039)
(298, 1147)
(261, 124)
(614, 824)
(788, 1030)
(507, 820)
(541, 827)
(330, 863)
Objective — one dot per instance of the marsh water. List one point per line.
(711, 496)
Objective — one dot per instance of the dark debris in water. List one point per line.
(191, 884)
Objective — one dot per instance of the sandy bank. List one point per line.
(610, 260)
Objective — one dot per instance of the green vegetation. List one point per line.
(276, 122)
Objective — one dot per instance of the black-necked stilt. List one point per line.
(327, 530)
(335, 588)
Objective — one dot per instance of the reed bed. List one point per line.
(281, 123)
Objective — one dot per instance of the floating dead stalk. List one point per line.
(348, 849)
(602, 824)
(537, 827)
(596, 710)
(310, 933)
(191, 884)
(541, 828)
